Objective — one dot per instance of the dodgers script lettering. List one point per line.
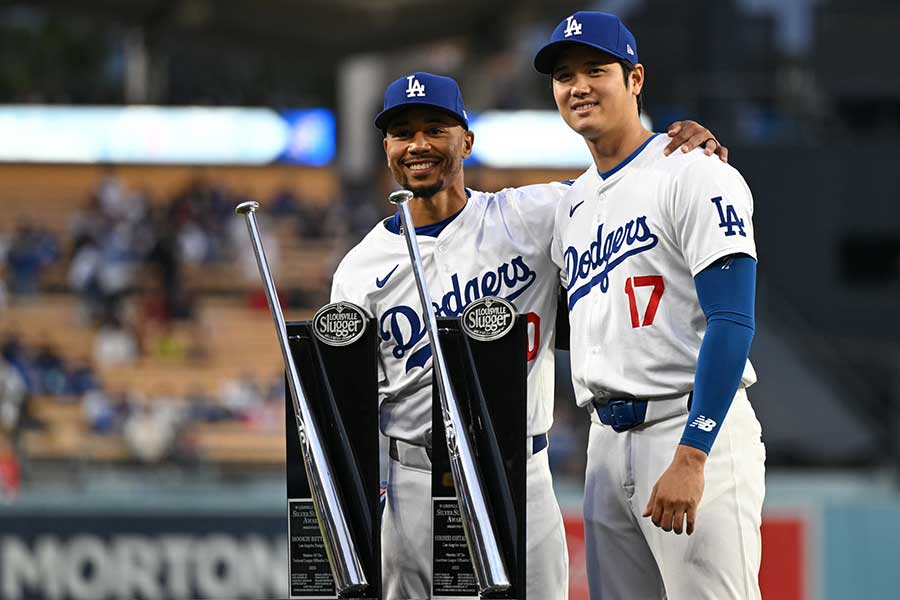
(403, 325)
(589, 268)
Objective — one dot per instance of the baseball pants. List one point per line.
(406, 531)
(629, 558)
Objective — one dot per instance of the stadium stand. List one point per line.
(228, 331)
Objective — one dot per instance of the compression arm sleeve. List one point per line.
(726, 290)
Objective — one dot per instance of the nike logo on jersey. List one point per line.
(605, 253)
(574, 208)
(404, 326)
(381, 282)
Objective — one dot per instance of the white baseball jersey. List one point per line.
(629, 245)
(499, 245)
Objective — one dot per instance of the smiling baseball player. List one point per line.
(658, 261)
(473, 244)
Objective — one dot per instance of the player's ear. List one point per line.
(386, 155)
(468, 143)
(637, 79)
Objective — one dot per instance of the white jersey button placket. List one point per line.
(600, 211)
(595, 299)
(442, 254)
(438, 287)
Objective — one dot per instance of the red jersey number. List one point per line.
(644, 281)
(534, 335)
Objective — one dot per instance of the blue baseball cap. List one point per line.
(598, 30)
(422, 89)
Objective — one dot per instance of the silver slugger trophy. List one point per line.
(487, 558)
(343, 557)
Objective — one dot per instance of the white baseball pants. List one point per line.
(629, 558)
(406, 531)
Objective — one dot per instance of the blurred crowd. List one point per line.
(122, 243)
(154, 427)
(29, 251)
(127, 260)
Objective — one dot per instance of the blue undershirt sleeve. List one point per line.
(726, 290)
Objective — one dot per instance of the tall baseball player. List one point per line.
(659, 264)
(473, 244)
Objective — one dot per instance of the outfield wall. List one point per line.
(825, 537)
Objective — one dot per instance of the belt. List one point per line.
(623, 414)
(412, 455)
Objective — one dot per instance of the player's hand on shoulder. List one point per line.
(676, 495)
(689, 135)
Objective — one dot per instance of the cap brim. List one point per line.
(545, 59)
(384, 117)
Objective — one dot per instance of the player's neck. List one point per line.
(443, 205)
(612, 148)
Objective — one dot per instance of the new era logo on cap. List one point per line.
(422, 89)
(597, 30)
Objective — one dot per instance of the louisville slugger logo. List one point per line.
(404, 326)
(592, 267)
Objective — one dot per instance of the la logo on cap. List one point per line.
(415, 87)
(573, 27)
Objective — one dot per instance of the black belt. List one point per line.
(394, 453)
(623, 414)
(538, 443)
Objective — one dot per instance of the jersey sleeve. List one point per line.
(712, 212)
(343, 290)
(344, 283)
(340, 290)
(556, 245)
(536, 206)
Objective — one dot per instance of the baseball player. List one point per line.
(473, 244)
(659, 264)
